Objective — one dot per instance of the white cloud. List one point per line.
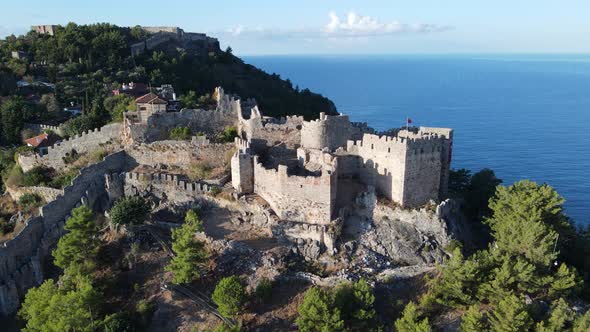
(357, 25)
(349, 26)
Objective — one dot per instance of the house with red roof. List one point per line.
(42, 142)
(149, 104)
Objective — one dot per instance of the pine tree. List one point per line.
(190, 254)
(192, 217)
(410, 320)
(510, 315)
(129, 211)
(229, 295)
(582, 323)
(561, 315)
(50, 308)
(364, 313)
(473, 320)
(564, 282)
(318, 313)
(458, 281)
(522, 221)
(79, 246)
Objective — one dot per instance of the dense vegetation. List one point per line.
(347, 307)
(533, 261)
(85, 62)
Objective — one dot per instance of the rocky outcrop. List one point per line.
(406, 236)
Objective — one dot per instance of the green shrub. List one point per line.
(229, 134)
(14, 177)
(229, 295)
(145, 311)
(30, 200)
(5, 226)
(215, 191)
(180, 133)
(117, 322)
(71, 157)
(263, 290)
(318, 312)
(36, 176)
(99, 155)
(63, 180)
(192, 217)
(199, 170)
(24, 149)
(129, 211)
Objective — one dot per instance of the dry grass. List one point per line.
(199, 170)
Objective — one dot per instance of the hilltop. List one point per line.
(81, 64)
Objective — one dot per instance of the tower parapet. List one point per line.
(410, 168)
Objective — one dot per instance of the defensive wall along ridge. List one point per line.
(84, 143)
(21, 258)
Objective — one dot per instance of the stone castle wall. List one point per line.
(329, 132)
(199, 120)
(86, 142)
(410, 168)
(166, 187)
(46, 193)
(270, 131)
(382, 164)
(296, 198)
(21, 257)
(179, 153)
(38, 128)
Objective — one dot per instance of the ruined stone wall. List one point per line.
(270, 131)
(329, 132)
(205, 121)
(179, 153)
(21, 257)
(242, 168)
(46, 193)
(296, 198)
(166, 187)
(86, 142)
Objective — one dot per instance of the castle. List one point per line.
(198, 43)
(308, 174)
(318, 166)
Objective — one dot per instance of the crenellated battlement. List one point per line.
(281, 173)
(170, 180)
(242, 145)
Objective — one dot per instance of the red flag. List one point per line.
(409, 120)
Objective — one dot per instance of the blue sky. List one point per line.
(338, 26)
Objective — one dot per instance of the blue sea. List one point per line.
(524, 116)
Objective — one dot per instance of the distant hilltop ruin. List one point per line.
(195, 42)
(199, 43)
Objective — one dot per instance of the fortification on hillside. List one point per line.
(308, 174)
(198, 43)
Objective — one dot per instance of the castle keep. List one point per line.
(331, 155)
